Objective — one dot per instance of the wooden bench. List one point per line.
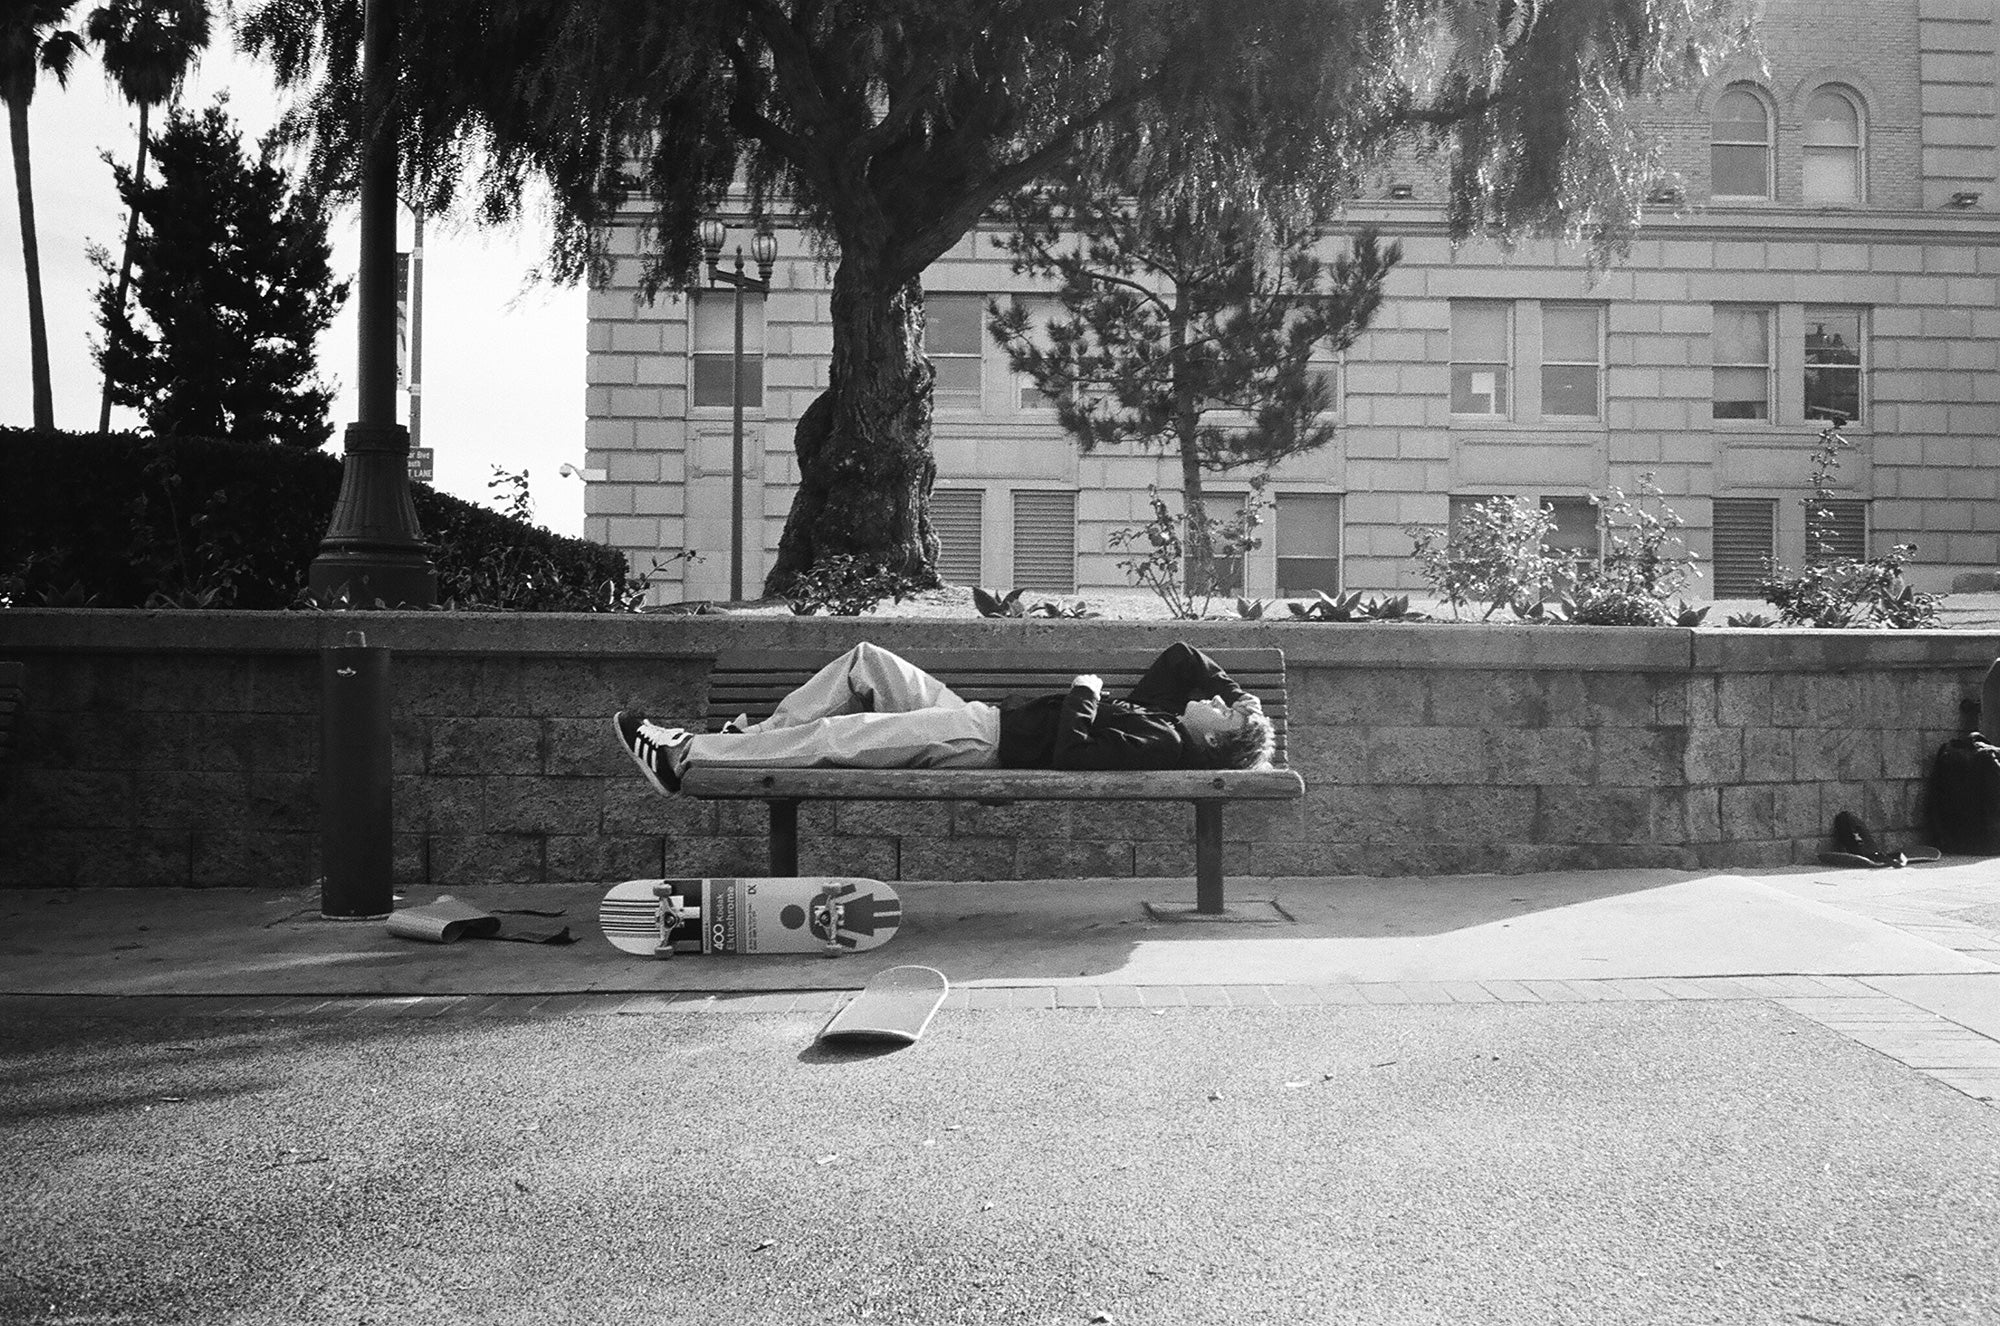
(754, 683)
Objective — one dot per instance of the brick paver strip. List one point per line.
(1249, 996)
(1294, 996)
(987, 999)
(1845, 987)
(756, 1002)
(1511, 992)
(1340, 994)
(1205, 996)
(1384, 992)
(1077, 996)
(1033, 996)
(1867, 1009)
(1426, 992)
(1162, 996)
(641, 1004)
(1552, 992)
(1119, 996)
(1469, 992)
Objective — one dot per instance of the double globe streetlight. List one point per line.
(764, 252)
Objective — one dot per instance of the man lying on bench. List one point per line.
(869, 709)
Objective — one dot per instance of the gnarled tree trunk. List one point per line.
(864, 446)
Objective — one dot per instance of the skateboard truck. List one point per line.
(828, 912)
(672, 914)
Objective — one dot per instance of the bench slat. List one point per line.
(991, 785)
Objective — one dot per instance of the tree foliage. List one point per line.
(891, 127)
(234, 285)
(146, 47)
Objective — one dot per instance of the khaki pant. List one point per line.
(867, 709)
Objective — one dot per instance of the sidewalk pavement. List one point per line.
(1612, 1098)
(1907, 961)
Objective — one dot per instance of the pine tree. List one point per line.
(231, 269)
(1190, 328)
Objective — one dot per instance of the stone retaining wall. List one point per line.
(180, 748)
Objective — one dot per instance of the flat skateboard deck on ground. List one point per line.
(896, 1005)
(805, 914)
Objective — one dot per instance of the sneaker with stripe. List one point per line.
(660, 752)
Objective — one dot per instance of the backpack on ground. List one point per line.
(1962, 796)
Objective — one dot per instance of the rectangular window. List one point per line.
(1574, 535)
(1482, 341)
(1833, 363)
(958, 515)
(1308, 543)
(1745, 538)
(1740, 349)
(712, 336)
(955, 341)
(1572, 357)
(1045, 541)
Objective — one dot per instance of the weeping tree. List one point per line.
(889, 128)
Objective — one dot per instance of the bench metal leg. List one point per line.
(785, 838)
(1208, 858)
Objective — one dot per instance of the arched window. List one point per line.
(1740, 146)
(1833, 147)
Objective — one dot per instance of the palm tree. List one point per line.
(147, 47)
(33, 40)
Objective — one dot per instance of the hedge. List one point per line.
(125, 520)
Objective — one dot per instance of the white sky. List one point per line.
(503, 360)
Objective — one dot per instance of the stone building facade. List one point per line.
(1832, 248)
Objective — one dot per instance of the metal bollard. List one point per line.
(355, 817)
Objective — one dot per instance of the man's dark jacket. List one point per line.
(1143, 731)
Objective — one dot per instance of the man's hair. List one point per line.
(1247, 747)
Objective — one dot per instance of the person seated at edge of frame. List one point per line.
(870, 709)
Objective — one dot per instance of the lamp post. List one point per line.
(373, 547)
(764, 250)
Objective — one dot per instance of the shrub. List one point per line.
(1644, 564)
(1162, 568)
(1834, 591)
(846, 586)
(1494, 556)
(130, 521)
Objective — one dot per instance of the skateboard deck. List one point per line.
(807, 914)
(896, 1005)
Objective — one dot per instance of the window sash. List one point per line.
(1740, 170)
(1832, 175)
(954, 341)
(712, 382)
(1740, 350)
(712, 342)
(1572, 356)
(1481, 351)
(1833, 363)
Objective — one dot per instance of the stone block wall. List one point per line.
(174, 749)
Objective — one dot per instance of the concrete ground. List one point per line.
(1598, 1097)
